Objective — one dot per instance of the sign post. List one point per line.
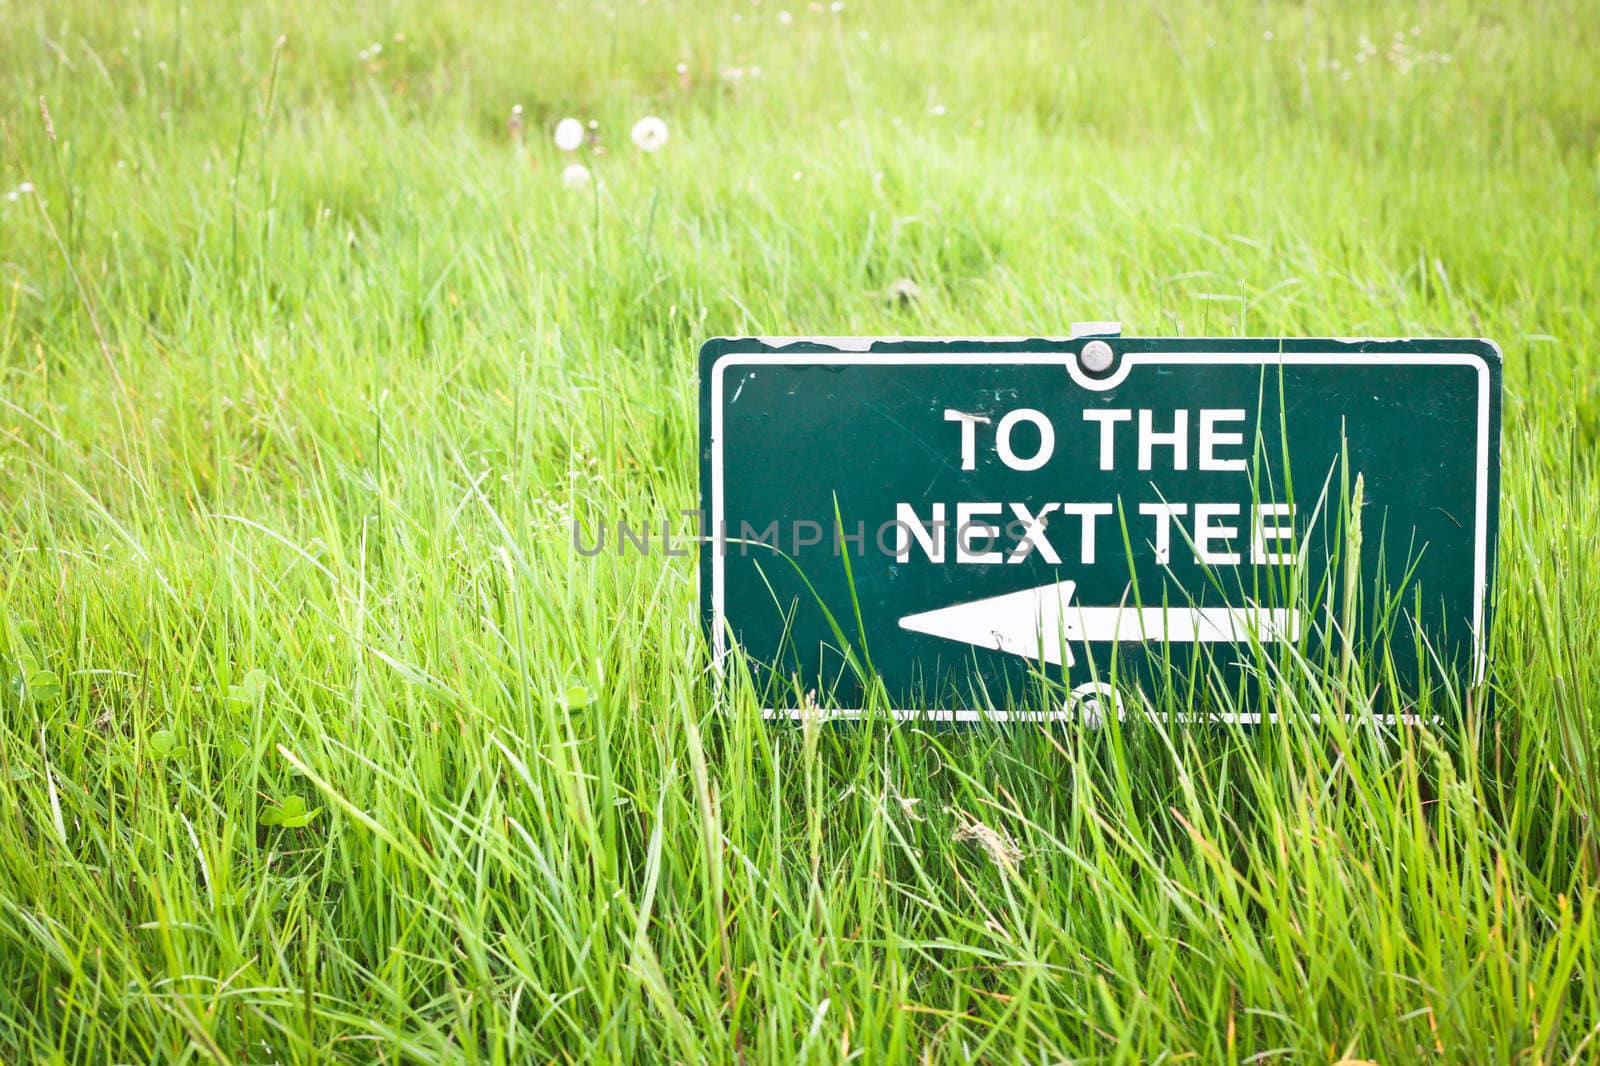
(963, 520)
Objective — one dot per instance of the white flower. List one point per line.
(784, 18)
(836, 7)
(569, 134)
(25, 188)
(683, 68)
(649, 133)
(575, 176)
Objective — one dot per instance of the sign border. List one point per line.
(719, 354)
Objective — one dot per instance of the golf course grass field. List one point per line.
(321, 742)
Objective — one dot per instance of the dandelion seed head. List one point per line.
(575, 176)
(569, 135)
(649, 133)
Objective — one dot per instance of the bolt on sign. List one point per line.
(976, 524)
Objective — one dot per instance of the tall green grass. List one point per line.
(318, 740)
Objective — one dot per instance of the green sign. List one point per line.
(980, 524)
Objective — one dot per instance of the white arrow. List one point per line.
(1042, 622)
